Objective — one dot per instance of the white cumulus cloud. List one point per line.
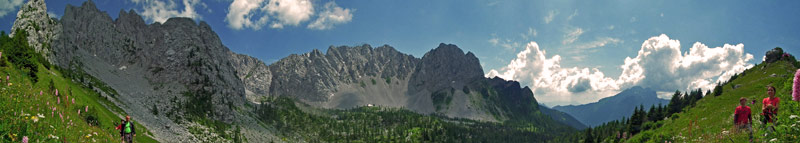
(160, 11)
(9, 6)
(278, 14)
(240, 14)
(331, 15)
(289, 12)
(659, 64)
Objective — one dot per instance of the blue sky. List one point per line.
(583, 45)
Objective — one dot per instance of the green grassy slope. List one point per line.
(711, 120)
(29, 107)
(20, 103)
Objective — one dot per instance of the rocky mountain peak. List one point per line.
(444, 67)
(40, 28)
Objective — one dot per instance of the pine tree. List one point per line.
(588, 136)
(675, 104)
(652, 115)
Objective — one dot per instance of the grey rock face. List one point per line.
(254, 74)
(314, 76)
(41, 29)
(179, 51)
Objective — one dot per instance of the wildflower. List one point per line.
(773, 140)
(40, 115)
(25, 139)
(35, 119)
(793, 116)
(73, 100)
(56, 92)
(61, 116)
(40, 92)
(52, 136)
(59, 100)
(86, 109)
(79, 111)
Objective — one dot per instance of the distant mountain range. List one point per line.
(181, 68)
(614, 107)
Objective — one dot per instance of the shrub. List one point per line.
(774, 55)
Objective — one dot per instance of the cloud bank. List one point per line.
(659, 64)
(255, 14)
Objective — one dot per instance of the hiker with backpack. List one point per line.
(769, 107)
(128, 130)
(742, 118)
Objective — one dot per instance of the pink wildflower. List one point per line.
(73, 100)
(25, 139)
(796, 87)
(79, 111)
(61, 116)
(40, 92)
(56, 92)
(59, 100)
(87, 109)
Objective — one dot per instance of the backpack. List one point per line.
(128, 127)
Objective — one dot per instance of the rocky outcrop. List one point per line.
(41, 29)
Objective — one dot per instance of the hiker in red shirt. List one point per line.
(742, 118)
(769, 107)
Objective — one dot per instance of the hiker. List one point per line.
(742, 118)
(129, 130)
(796, 86)
(769, 107)
(119, 127)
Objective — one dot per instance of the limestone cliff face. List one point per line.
(41, 29)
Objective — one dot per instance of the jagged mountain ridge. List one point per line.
(614, 107)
